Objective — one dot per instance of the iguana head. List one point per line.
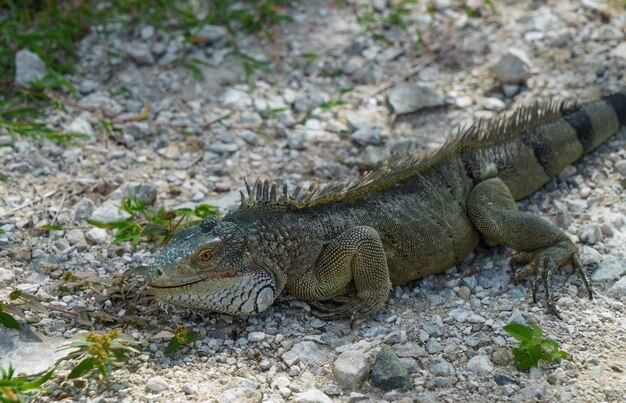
(209, 267)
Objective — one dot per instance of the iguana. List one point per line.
(341, 246)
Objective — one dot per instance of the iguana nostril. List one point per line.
(159, 272)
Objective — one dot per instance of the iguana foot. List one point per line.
(356, 307)
(543, 263)
(541, 245)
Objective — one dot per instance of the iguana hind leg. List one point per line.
(540, 244)
(355, 257)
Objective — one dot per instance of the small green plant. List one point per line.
(533, 347)
(158, 225)
(14, 389)
(6, 319)
(182, 337)
(18, 300)
(100, 351)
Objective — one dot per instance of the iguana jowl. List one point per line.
(342, 246)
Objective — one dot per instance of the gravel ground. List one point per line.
(437, 339)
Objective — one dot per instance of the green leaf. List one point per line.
(38, 382)
(550, 345)
(535, 354)
(102, 370)
(82, 368)
(522, 361)
(204, 210)
(8, 321)
(520, 332)
(537, 333)
(153, 229)
(172, 347)
(51, 227)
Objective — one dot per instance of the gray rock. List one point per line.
(480, 365)
(21, 253)
(611, 268)
(501, 356)
(463, 315)
(589, 255)
(307, 352)
(514, 67)
(240, 395)
(351, 368)
(620, 166)
(371, 157)
(137, 130)
(433, 346)
(139, 52)
(256, 337)
(18, 347)
(74, 236)
(156, 384)
(109, 211)
(517, 317)
(101, 101)
(308, 102)
(494, 104)
(535, 391)
(235, 97)
(28, 68)
(375, 331)
(140, 191)
(618, 289)
(210, 33)
(441, 367)
(502, 379)
(410, 364)
(357, 120)
(510, 89)
(409, 350)
(312, 396)
(407, 98)
(591, 233)
(332, 390)
(577, 205)
(388, 372)
(223, 148)
(146, 32)
(6, 277)
(518, 292)
(497, 281)
(249, 137)
(80, 125)
(542, 20)
(96, 236)
(189, 389)
(367, 135)
(297, 139)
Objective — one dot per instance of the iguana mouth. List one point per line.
(201, 279)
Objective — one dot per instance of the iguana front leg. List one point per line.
(543, 246)
(356, 256)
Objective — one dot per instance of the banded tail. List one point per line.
(534, 144)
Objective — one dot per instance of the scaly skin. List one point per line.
(342, 246)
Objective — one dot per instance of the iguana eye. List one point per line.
(205, 256)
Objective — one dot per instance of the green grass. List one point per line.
(52, 28)
(15, 389)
